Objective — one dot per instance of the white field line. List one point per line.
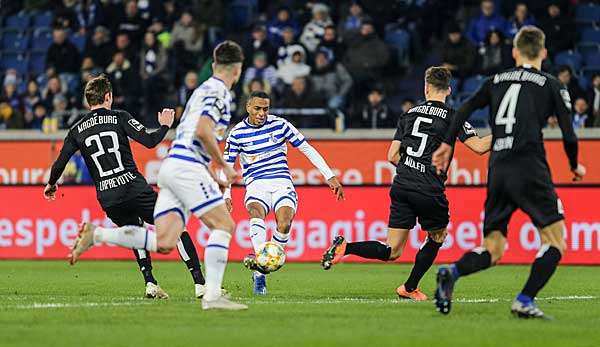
(334, 301)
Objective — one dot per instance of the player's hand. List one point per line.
(441, 157)
(166, 117)
(229, 205)
(336, 188)
(578, 172)
(50, 192)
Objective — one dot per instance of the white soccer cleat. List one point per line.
(154, 291)
(222, 303)
(84, 240)
(201, 290)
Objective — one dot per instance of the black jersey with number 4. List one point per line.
(420, 131)
(102, 137)
(521, 99)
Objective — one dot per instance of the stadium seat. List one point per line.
(42, 20)
(479, 118)
(592, 59)
(14, 39)
(581, 27)
(18, 21)
(242, 13)
(571, 58)
(42, 39)
(454, 83)
(15, 60)
(587, 48)
(591, 35)
(472, 84)
(588, 13)
(398, 40)
(37, 61)
(589, 71)
(79, 41)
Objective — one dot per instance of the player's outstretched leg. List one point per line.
(258, 236)
(423, 261)
(187, 252)
(153, 290)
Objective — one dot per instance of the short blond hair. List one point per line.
(438, 77)
(530, 41)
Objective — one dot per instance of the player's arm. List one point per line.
(393, 155)
(68, 149)
(468, 135)
(562, 104)
(230, 154)
(205, 134)
(140, 134)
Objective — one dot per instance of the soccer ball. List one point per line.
(270, 256)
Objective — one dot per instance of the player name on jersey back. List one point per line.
(96, 120)
(520, 76)
(430, 110)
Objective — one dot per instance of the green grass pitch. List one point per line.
(98, 303)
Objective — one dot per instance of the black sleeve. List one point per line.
(400, 130)
(562, 109)
(466, 132)
(139, 133)
(479, 100)
(68, 149)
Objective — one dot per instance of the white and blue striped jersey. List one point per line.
(262, 149)
(211, 99)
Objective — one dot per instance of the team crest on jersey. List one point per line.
(135, 124)
(273, 138)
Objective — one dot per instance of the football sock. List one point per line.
(215, 260)
(423, 260)
(258, 232)
(542, 269)
(128, 236)
(280, 238)
(187, 252)
(476, 260)
(145, 263)
(369, 250)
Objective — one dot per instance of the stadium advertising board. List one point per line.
(39, 229)
(355, 162)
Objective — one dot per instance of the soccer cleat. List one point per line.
(154, 291)
(200, 290)
(416, 294)
(84, 240)
(260, 283)
(334, 253)
(222, 304)
(527, 310)
(250, 264)
(444, 289)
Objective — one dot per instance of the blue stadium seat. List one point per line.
(587, 13)
(42, 20)
(15, 39)
(592, 59)
(42, 39)
(480, 118)
(571, 58)
(18, 21)
(587, 48)
(581, 27)
(454, 83)
(37, 61)
(241, 13)
(589, 71)
(15, 60)
(591, 35)
(472, 83)
(79, 41)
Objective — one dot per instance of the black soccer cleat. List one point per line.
(527, 311)
(250, 263)
(444, 289)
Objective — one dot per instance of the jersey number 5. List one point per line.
(113, 149)
(508, 106)
(415, 132)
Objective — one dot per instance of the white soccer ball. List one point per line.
(270, 256)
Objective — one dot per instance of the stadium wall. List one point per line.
(36, 229)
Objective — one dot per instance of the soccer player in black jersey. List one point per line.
(521, 99)
(102, 136)
(417, 191)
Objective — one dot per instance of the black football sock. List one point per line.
(423, 260)
(369, 250)
(542, 269)
(473, 261)
(145, 263)
(190, 257)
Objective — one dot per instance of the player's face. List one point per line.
(258, 109)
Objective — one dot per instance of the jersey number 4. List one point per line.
(112, 149)
(508, 106)
(415, 132)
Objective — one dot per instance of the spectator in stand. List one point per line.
(60, 112)
(191, 35)
(458, 53)
(62, 55)
(153, 64)
(488, 20)
(132, 23)
(260, 69)
(212, 14)
(167, 14)
(315, 29)
(11, 115)
(123, 44)
(99, 48)
(54, 87)
(65, 16)
(276, 26)
(259, 43)
(190, 83)
(594, 100)
(351, 22)
(366, 55)
(255, 85)
(580, 116)
(330, 45)
(31, 97)
(89, 15)
(565, 76)
(288, 47)
(495, 55)
(287, 72)
(375, 112)
(300, 95)
(123, 78)
(9, 93)
(331, 80)
(520, 19)
(407, 104)
(40, 112)
(559, 30)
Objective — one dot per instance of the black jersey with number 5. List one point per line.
(420, 131)
(521, 100)
(102, 137)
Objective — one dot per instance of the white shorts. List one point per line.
(186, 188)
(272, 194)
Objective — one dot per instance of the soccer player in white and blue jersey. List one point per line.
(260, 141)
(187, 184)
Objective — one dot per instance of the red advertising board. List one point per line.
(32, 228)
(355, 162)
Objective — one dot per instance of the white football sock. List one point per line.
(215, 261)
(129, 236)
(281, 239)
(258, 232)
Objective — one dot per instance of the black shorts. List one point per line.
(135, 211)
(523, 183)
(407, 206)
